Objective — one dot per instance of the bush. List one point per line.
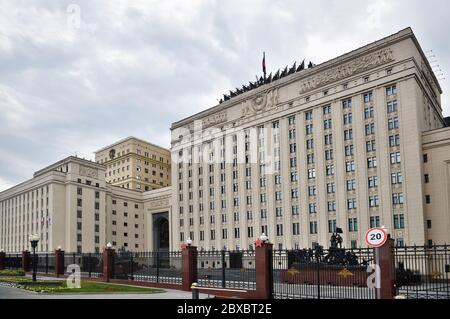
(12, 272)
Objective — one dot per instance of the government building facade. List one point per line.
(353, 143)
(356, 142)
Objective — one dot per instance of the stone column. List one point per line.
(189, 267)
(26, 261)
(108, 263)
(59, 263)
(264, 278)
(2, 260)
(387, 268)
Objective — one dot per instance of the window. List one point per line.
(370, 129)
(427, 178)
(347, 104)
(374, 201)
(309, 129)
(348, 134)
(312, 208)
(328, 139)
(394, 140)
(291, 120)
(391, 90)
(392, 106)
(428, 199)
(374, 221)
(393, 123)
(312, 190)
(371, 162)
(399, 221)
(352, 224)
(295, 229)
(327, 124)
(330, 170)
(397, 198)
(396, 178)
(279, 229)
(332, 226)
(351, 203)
(350, 166)
(371, 146)
(368, 97)
(373, 181)
(395, 158)
(331, 188)
(311, 173)
(349, 150)
(327, 109)
(308, 115)
(348, 118)
(313, 227)
(425, 158)
(331, 206)
(368, 112)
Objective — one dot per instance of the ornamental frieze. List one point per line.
(214, 119)
(261, 103)
(351, 68)
(88, 172)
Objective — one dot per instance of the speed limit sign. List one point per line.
(376, 237)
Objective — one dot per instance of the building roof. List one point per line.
(131, 138)
(305, 73)
(67, 160)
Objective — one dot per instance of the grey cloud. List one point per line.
(133, 68)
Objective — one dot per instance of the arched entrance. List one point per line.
(161, 238)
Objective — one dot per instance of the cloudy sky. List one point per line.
(70, 86)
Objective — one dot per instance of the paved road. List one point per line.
(15, 293)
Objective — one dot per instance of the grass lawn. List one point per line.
(86, 287)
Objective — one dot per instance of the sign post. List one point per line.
(376, 237)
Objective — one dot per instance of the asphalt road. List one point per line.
(15, 293)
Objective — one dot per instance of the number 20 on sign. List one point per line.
(376, 237)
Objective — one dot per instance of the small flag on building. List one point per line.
(264, 64)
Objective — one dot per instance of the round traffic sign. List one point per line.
(376, 237)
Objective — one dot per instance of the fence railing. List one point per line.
(422, 272)
(156, 267)
(13, 261)
(325, 274)
(226, 269)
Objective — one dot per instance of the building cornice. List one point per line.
(337, 69)
(129, 139)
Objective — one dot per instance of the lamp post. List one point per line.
(34, 239)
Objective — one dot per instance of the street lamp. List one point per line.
(264, 238)
(34, 239)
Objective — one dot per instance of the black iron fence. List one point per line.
(422, 272)
(45, 263)
(333, 273)
(13, 261)
(226, 269)
(156, 267)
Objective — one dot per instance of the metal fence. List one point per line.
(45, 263)
(226, 269)
(422, 272)
(156, 267)
(322, 274)
(91, 264)
(13, 261)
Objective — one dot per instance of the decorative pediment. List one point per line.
(260, 103)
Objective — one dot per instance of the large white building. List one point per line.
(340, 144)
(355, 142)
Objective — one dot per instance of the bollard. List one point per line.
(195, 292)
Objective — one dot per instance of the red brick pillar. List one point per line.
(26, 261)
(387, 269)
(59, 263)
(108, 264)
(189, 267)
(2, 260)
(263, 268)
